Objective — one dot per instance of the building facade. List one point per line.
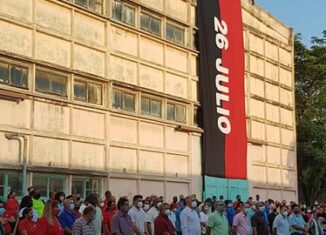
(103, 94)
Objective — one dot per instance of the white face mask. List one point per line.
(193, 204)
(159, 204)
(285, 213)
(146, 207)
(102, 204)
(61, 198)
(167, 212)
(140, 204)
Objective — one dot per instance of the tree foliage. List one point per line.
(310, 76)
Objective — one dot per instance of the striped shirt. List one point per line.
(82, 227)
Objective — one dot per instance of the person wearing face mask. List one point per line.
(5, 220)
(315, 227)
(12, 206)
(172, 216)
(108, 214)
(271, 217)
(49, 223)
(146, 205)
(230, 210)
(281, 224)
(297, 224)
(204, 218)
(177, 219)
(250, 212)
(162, 224)
(27, 226)
(151, 215)
(60, 197)
(121, 221)
(38, 204)
(138, 215)
(258, 222)
(93, 200)
(189, 218)
(240, 225)
(217, 223)
(27, 198)
(67, 217)
(76, 200)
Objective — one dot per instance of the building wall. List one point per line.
(128, 152)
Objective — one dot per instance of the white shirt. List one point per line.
(138, 217)
(203, 219)
(98, 221)
(172, 217)
(150, 217)
(190, 222)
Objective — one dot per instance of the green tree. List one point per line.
(310, 80)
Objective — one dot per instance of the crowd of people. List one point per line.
(66, 215)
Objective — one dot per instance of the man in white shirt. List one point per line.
(190, 221)
(137, 215)
(151, 215)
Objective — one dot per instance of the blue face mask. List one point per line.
(71, 206)
(2, 211)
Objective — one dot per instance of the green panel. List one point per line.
(229, 188)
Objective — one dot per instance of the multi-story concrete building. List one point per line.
(103, 95)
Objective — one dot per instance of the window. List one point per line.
(150, 24)
(52, 83)
(151, 107)
(124, 100)
(94, 5)
(174, 34)
(123, 13)
(47, 183)
(10, 181)
(88, 92)
(86, 186)
(13, 75)
(176, 112)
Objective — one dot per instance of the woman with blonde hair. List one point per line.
(49, 223)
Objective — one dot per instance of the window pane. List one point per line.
(94, 93)
(156, 26)
(129, 15)
(80, 91)
(4, 72)
(170, 112)
(2, 185)
(179, 35)
(93, 186)
(95, 5)
(77, 187)
(117, 99)
(18, 76)
(81, 2)
(15, 183)
(145, 108)
(156, 108)
(42, 81)
(41, 183)
(58, 85)
(56, 184)
(129, 102)
(169, 32)
(117, 10)
(144, 22)
(180, 113)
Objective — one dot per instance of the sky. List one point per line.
(305, 16)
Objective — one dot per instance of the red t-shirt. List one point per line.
(28, 225)
(107, 218)
(45, 228)
(12, 207)
(162, 224)
(6, 226)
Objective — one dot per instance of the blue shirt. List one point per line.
(281, 223)
(230, 212)
(296, 220)
(177, 220)
(67, 219)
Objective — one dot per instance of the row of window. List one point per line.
(126, 13)
(126, 101)
(55, 83)
(12, 181)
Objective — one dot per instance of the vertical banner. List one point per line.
(221, 62)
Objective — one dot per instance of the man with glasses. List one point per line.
(121, 222)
